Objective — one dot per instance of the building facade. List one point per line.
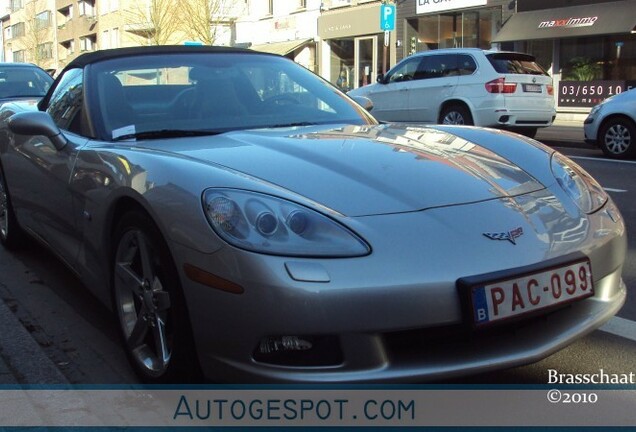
(352, 48)
(589, 46)
(285, 27)
(432, 24)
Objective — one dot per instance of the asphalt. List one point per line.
(23, 361)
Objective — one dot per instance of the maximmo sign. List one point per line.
(427, 6)
(569, 22)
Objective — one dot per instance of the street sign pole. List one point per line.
(387, 24)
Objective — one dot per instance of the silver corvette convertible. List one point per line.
(247, 221)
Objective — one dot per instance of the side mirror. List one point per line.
(363, 101)
(37, 123)
(380, 79)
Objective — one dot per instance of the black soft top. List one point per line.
(97, 56)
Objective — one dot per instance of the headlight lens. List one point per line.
(266, 224)
(594, 110)
(588, 195)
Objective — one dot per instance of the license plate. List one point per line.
(532, 88)
(505, 299)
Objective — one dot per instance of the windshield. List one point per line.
(155, 96)
(25, 81)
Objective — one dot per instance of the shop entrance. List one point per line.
(366, 60)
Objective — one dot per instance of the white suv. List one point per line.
(465, 86)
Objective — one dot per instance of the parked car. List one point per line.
(465, 86)
(248, 221)
(611, 125)
(23, 82)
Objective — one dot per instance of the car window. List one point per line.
(437, 66)
(65, 104)
(211, 93)
(515, 63)
(466, 64)
(404, 71)
(24, 82)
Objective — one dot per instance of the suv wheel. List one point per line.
(456, 115)
(617, 138)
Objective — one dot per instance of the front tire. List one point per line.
(10, 232)
(150, 305)
(456, 115)
(617, 138)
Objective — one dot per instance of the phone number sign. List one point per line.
(590, 93)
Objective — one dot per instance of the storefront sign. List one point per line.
(428, 6)
(590, 93)
(347, 23)
(571, 22)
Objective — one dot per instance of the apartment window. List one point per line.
(7, 33)
(86, 8)
(43, 20)
(302, 4)
(45, 51)
(69, 46)
(15, 5)
(18, 56)
(17, 30)
(114, 38)
(105, 43)
(270, 9)
(87, 44)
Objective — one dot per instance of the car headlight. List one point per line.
(266, 224)
(588, 195)
(594, 110)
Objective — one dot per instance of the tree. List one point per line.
(37, 39)
(204, 18)
(157, 21)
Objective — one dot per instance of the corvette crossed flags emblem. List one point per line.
(511, 235)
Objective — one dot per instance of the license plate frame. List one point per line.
(532, 88)
(478, 292)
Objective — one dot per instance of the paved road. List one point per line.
(78, 334)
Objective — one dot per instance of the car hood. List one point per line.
(368, 170)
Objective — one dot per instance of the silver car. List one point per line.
(247, 221)
(611, 125)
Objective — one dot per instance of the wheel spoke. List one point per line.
(129, 278)
(161, 343)
(144, 256)
(139, 331)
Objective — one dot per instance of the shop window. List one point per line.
(342, 63)
(471, 29)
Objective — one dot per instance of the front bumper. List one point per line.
(396, 314)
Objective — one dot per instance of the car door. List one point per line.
(43, 183)
(435, 82)
(390, 96)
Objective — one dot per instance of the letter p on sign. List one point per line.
(387, 17)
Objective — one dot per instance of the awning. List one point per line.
(281, 48)
(598, 19)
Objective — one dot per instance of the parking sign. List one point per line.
(387, 17)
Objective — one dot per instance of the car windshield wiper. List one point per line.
(166, 133)
(282, 125)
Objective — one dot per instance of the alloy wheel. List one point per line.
(453, 118)
(142, 302)
(617, 139)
